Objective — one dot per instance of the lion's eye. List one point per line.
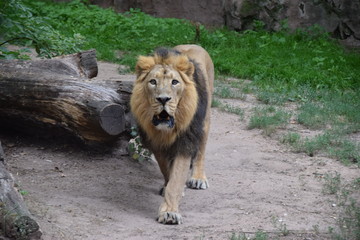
(174, 82)
(152, 82)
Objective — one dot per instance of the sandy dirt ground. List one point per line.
(255, 183)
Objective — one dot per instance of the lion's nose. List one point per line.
(163, 100)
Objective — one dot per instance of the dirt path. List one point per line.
(255, 183)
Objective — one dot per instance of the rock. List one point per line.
(341, 18)
(209, 12)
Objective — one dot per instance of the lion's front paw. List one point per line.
(197, 183)
(170, 218)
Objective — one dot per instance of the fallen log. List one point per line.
(15, 219)
(58, 92)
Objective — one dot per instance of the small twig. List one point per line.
(10, 40)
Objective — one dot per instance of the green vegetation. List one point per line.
(348, 220)
(324, 108)
(19, 25)
(259, 235)
(268, 118)
(228, 108)
(224, 90)
(330, 143)
(276, 61)
(280, 226)
(332, 183)
(136, 149)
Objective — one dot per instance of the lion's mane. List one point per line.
(191, 109)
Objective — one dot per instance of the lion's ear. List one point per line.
(183, 64)
(144, 64)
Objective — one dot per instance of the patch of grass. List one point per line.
(272, 97)
(312, 146)
(232, 109)
(291, 138)
(228, 108)
(348, 219)
(313, 115)
(346, 151)
(259, 235)
(332, 183)
(330, 108)
(229, 90)
(329, 143)
(216, 103)
(268, 119)
(280, 226)
(332, 143)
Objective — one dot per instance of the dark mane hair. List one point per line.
(188, 142)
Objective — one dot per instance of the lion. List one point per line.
(171, 102)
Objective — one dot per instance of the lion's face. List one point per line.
(165, 88)
(164, 97)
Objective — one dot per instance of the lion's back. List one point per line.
(201, 56)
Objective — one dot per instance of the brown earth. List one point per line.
(255, 183)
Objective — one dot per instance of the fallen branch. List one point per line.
(16, 220)
(58, 92)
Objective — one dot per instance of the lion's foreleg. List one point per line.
(169, 209)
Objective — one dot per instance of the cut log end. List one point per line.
(112, 119)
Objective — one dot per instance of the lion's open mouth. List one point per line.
(163, 118)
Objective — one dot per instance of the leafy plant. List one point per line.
(136, 149)
(14, 54)
(19, 25)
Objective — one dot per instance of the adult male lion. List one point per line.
(171, 103)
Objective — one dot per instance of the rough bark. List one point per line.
(59, 93)
(16, 220)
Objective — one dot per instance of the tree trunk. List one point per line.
(16, 220)
(58, 92)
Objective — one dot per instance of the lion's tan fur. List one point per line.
(191, 99)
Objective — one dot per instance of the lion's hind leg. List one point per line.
(198, 178)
